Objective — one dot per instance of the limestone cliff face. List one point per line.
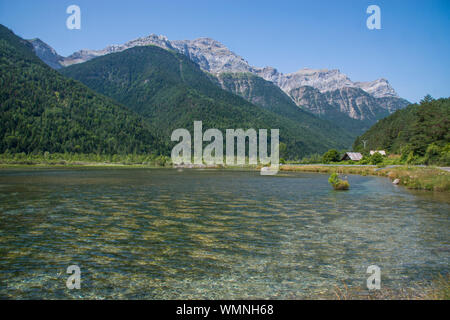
(312, 100)
(354, 102)
(47, 53)
(269, 96)
(379, 88)
(334, 107)
(248, 86)
(392, 104)
(212, 56)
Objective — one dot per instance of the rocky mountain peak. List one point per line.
(85, 55)
(152, 39)
(214, 57)
(46, 53)
(378, 88)
(211, 55)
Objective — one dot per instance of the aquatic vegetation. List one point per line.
(419, 178)
(337, 183)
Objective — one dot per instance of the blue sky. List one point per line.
(411, 50)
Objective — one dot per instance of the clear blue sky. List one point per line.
(411, 51)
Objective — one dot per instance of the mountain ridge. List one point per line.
(212, 56)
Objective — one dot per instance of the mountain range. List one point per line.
(329, 94)
(131, 101)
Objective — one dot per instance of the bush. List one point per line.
(365, 160)
(331, 156)
(432, 154)
(376, 158)
(444, 159)
(411, 158)
(337, 183)
(162, 161)
(342, 185)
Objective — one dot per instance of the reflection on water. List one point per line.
(165, 234)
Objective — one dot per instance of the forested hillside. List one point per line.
(421, 133)
(42, 110)
(171, 91)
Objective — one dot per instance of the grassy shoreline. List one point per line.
(75, 165)
(417, 178)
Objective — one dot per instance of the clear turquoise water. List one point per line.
(166, 234)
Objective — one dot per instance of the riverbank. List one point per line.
(418, 178)
(85, 160)
(69, 165)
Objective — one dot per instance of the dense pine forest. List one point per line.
(420, 133)
(42, 111)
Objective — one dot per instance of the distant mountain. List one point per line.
(354, 102)
(351, 108)
(171, 91)
(333, 96)
(47, 54)
(41, 110)
(267, 95)
(322, 105)
(378, 88)
(412, 129)
(213, 57)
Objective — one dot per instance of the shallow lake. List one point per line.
(172, 234)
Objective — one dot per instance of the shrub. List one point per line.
(331, 156)
(432, 154)
(342, 185)
(376, 158)
(445, 155)
(337, 183)
(365, 160)
(411, 159)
